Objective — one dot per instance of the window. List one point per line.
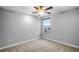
(46, 24)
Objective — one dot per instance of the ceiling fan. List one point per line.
(42, 10)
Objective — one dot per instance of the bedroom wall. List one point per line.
(64, 28)
(16, 27)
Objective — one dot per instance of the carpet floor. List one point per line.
(41, 45)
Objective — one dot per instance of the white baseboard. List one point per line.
(19, 43)
(74, 46)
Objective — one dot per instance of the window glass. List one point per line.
(46, 24)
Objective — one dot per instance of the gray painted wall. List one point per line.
(16, 27)
(64, 27)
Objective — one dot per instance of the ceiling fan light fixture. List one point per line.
(40, 13)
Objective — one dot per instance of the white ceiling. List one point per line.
(30, 9)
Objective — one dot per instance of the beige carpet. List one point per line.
(41, 45)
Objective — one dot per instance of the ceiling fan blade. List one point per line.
(49, 8)
(34, 12)
(48, 12)
(36, 8)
